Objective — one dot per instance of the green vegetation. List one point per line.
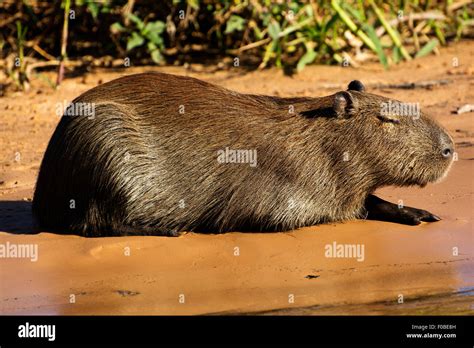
(287, 34)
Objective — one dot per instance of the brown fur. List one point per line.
(142, 167)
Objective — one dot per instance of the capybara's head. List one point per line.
(402, 144)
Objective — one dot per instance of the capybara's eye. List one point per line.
(388, 119)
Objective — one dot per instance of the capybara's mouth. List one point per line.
(437, 175)
(443, 173)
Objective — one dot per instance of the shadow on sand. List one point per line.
(16, 217)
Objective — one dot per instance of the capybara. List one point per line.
(158, 154)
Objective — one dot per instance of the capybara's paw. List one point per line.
(378, 209)
(414, 216)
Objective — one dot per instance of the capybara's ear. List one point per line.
(345, 104)
(356, 85)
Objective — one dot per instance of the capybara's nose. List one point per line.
(446, 146)
(447, 152)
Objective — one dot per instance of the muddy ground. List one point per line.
(429, 266)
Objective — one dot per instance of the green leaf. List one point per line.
(137, 21)
(93, 8)
(106, 10)
(194, 4)
(155, 38)
(257, 32)
(134, 41)
(355, 13)
(155, 27)
(274, 29)
(269, 53)
(439, 34)
(307, 58)
(393, 33)
(156, 56)
(426, 49)
(235, 23)
(116, 28)
(309, 10)
(152, 32)
(155, 53)
(351, 25)
(396, 55)
(377, 44)
(329, 24)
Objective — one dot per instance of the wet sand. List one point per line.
(278, 273)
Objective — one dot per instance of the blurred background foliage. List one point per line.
(289, 34)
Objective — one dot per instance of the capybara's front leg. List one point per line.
(378, 209)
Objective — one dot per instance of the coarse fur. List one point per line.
(146, 163)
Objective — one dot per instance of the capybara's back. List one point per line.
(139, 155)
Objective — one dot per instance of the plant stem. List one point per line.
(67, 6)
(393, 35)
(352, 26)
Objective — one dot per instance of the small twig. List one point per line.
(32, 66)
(415, 35)
(67, 5)
(405, 85)
(43, 52)
(414, 16)
(255, 44)
(463, 109)
(126, 11)
(412, 85)
(349, 59)
(280, 35)
(10, 19)
(456, 5)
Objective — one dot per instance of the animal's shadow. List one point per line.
(16, 217)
